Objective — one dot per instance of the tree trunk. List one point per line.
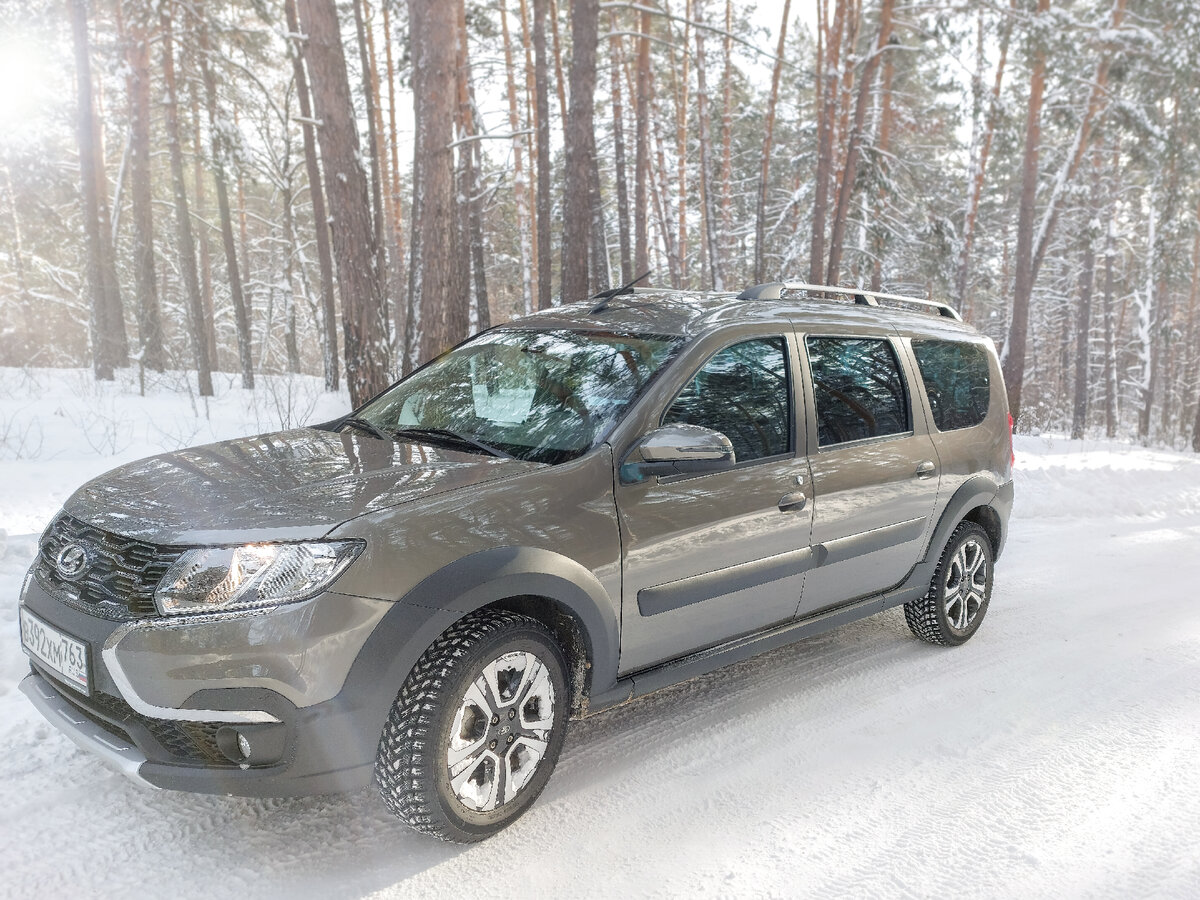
(458, 312)
(577, 215)
(531, 126)
(149, 316)
(18, 258)
(1014, 347)
(107, 321)
(290, 343)
(193, 81)
(760, 211)
(883, 149)
(183, 224)
(641, 145)
(680, 85)
(981, 150)
(598, 254)
(1196, 425)
(542, 104)
(519, 185)
(316, 193)
(353, 238)
(370, 79)
(1194, 328)
(1110, 351)
(854, 144)
(394, 155)
(716, 265)
(1148, 314)
(1097, 96)
(662, 195)
(221, 152)
(616, 61)
(560, 83)
(1083, 327)
(827, 78)
(1192, 336)
(727, 129)
(435, 256)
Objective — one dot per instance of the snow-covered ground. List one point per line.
(1055, 755)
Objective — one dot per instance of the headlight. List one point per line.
(215, 579)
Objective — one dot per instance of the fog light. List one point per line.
(252, 745)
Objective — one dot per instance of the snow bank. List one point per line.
(60, 427)
(1057, 477)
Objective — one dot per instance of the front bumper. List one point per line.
(168, 697)
(116, 752)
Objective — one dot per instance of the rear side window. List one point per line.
(956, 380)
(742, 392)
(858, 389)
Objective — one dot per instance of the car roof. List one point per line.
(693, 313)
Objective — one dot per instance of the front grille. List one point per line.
(192, 742)
(121, 574)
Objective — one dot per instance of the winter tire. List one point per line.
(957, 600)
(476, 729)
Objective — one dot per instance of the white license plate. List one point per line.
(67, 657)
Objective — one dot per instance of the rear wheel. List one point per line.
(957, 600)
(476, 729)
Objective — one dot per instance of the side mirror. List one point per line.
(678, 450)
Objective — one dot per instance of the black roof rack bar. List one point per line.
(774, 291)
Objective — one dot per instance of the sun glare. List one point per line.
(23, 99)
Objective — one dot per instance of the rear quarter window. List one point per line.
(956, 381)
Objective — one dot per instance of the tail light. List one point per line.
(1011, 453)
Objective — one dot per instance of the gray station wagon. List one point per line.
(557, 516)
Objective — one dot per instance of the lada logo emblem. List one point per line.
(71, 561)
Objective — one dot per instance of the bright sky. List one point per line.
(24, 75)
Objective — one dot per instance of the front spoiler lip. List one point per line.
(114, 751)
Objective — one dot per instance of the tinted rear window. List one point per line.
(858, 388)
(956, 380)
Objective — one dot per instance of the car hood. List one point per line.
(286, 485)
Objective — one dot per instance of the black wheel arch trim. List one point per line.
(976, 491)
(416, 620)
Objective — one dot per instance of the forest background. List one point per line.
(347, 189)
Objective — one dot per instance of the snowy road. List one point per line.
(1055, 755)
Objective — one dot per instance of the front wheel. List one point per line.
(476, 729)
(957, 600)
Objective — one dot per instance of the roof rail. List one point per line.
(774, 291)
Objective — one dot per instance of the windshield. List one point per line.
(542, 396)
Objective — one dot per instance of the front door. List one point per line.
(710, 557)
(875, 472)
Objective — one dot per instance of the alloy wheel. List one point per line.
(501, 731)
(965, 587)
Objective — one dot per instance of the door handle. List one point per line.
(792, 502)
(926, 469)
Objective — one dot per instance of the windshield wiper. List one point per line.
(447, 434)
(363, 425)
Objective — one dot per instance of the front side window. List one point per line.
(542, 396)
(742, 392)
(858, 389)
(956, 381)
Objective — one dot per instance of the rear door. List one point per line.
(875, 472)
(710, 557)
